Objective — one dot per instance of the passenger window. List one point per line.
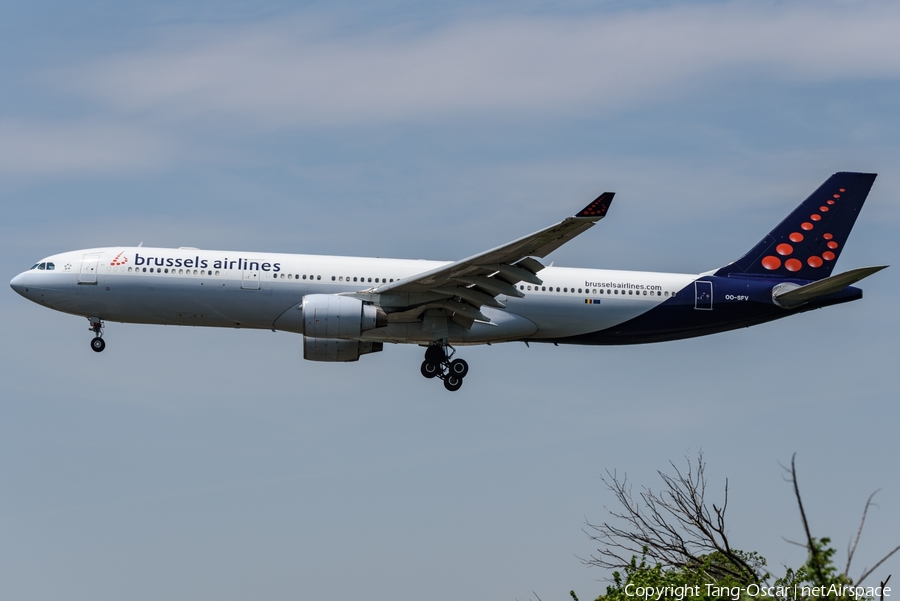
(579, 291)
(565, 289)
(529, 288)
(557, 288)
(332, 278)
(318, 277)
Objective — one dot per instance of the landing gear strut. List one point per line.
(438, 364)
(97, 344)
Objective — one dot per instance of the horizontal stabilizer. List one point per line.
(788, 295)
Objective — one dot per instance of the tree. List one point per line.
(676, 542)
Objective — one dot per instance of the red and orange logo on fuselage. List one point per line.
(119, 259)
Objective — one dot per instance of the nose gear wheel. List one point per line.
(97, 344)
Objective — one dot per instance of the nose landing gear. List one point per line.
(438, 364)
(97, 344)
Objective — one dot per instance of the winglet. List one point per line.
(599, 207)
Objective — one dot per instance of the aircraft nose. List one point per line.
(18, 284)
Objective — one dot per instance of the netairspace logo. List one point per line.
(755, 591)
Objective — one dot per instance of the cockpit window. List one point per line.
(35, 266)
(50, 266)
(42, 266)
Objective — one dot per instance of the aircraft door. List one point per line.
(703, 296)
(250, 279)
(88, 273)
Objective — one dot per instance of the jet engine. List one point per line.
(341, 317)
(331, 322)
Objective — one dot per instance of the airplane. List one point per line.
(346, 307)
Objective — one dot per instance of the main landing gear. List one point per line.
(438, 364)
(97, 344)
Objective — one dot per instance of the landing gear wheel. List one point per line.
(97, 345)
(452, 383)
(459, 368)
(430, 370)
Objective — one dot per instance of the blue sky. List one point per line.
(198, 464)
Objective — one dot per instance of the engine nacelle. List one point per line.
(341, 317)
(331, 349)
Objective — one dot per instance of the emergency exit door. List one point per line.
(250, 279)
(88, 272)
(703, 296)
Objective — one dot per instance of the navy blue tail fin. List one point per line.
(807, 244)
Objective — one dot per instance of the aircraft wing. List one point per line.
(463, 287)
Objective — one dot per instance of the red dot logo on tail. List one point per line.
(771, 262)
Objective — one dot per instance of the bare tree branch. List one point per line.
(674, 527)
(852, 549)
(875, 567)
(811, 545)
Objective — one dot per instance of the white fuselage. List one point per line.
(264, 290)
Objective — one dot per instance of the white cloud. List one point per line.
(34, 148)
(299, 72)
